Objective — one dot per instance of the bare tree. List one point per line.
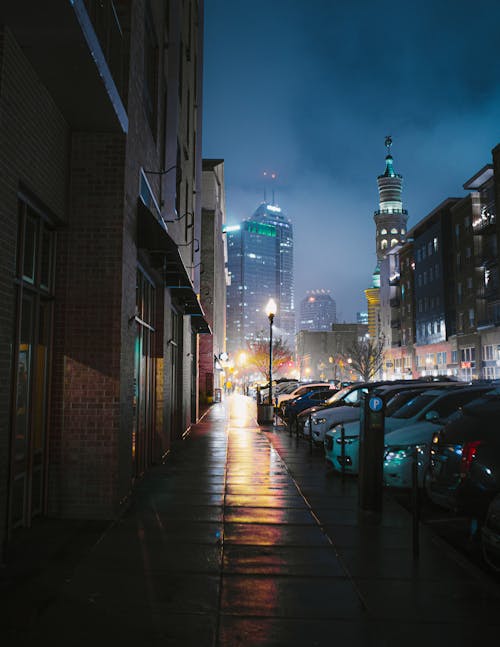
(259, 355)
(366, 357)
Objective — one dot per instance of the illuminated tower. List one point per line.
(391, 218)
(390, 224)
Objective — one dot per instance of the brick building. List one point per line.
(100, 168)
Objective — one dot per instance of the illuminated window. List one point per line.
(394, 242)
(383, 232)
(394, 230)
(383, 244)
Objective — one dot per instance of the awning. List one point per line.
(152, 235)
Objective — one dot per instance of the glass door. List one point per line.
(36, 246)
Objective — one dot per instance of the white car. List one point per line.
(348, 410)
(300, 389)
(344, 406)
(425, 406)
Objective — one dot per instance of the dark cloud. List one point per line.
(311, 89)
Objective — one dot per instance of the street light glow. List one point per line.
(271, 308)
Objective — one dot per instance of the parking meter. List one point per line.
(371, 452)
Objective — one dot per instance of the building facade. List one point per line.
(213, 278)
(318, 311)
(260, 263)
(99, 272)
(449, 287)
(322, 355)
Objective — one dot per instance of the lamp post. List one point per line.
(270, 312)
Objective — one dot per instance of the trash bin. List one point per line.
(265, 414)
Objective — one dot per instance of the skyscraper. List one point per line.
(318, 311)
(260, 263)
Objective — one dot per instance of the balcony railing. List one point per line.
(381, 212)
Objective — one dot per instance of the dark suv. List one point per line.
(464, 473)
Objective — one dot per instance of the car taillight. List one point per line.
(469, 451)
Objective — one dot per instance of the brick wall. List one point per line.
(85, 441)
(34, 147)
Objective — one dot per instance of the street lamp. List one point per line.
(270, 312)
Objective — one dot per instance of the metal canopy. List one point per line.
(152, 236)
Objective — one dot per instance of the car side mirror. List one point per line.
(431, 415)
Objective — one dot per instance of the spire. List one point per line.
(389, 169)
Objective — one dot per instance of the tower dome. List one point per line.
(390, 218)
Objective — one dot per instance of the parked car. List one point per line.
(423, 398)
(400, 443)
(325, 419)
(301, 389)
(464, 469)
(490, 535)
(291, 408)
(284, 386)
(348, 399)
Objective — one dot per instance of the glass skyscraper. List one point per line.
(260, 264)
(318, 311)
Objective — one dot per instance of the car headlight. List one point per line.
(403, 453)
(319, 421)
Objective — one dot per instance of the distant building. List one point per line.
(318, 311)
(362, 318)
(260, 264)
(324, 355)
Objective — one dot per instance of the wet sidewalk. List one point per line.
(243, 538)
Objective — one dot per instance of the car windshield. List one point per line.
(397, 401)
(413, 406)
(339, 395)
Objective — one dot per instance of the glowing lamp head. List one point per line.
(271, 308)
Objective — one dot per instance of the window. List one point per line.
(435, 243)
(394, 242)
(469, 283)
(454, 356)
(429, 248)
(383, 232)
(471, 316)
(394, 230)
(30, 384)
(459, 293)
(441, 358)
(383, 244)
(431, 275)
(488, 352)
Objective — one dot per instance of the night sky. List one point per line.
(309, 89)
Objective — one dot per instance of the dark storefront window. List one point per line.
(144, 377)
(35, 287)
